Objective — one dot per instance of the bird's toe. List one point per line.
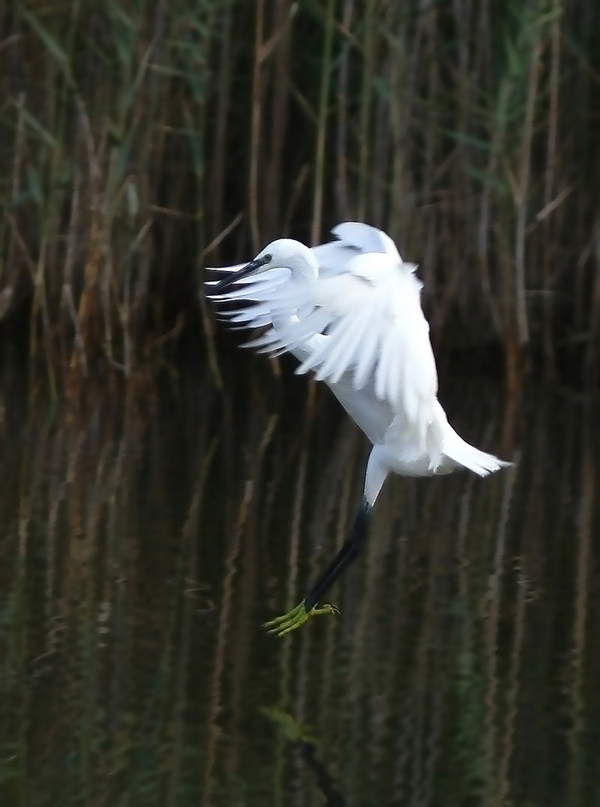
(282, 625)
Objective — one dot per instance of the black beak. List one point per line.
(246, 270)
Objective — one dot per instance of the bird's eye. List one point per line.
(267, 257)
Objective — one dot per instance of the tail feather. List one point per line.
(461, 452)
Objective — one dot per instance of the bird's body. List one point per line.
(350, 311)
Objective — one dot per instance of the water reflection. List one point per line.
(142, 545)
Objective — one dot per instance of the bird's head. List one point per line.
(284, 253)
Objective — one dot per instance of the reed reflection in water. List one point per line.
(143, 545)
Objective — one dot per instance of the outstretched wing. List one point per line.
(372, 328)
(260, 296)
(361, 317)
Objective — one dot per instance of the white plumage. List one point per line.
(350, 311)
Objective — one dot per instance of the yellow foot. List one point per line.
(295, 618)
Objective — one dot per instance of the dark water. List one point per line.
(143, 543)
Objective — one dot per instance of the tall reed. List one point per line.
(135, 136)
(138, 564)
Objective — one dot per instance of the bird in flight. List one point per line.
(350, 311)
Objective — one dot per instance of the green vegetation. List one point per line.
(136, 139)
(140, 554)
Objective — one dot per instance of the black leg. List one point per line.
(282, 625)
(344, 557)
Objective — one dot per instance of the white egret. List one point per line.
(350, 311)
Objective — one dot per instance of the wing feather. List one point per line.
(366, 238)
(383, 388)
(342, 349)
(377, 331)
(361, 319)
